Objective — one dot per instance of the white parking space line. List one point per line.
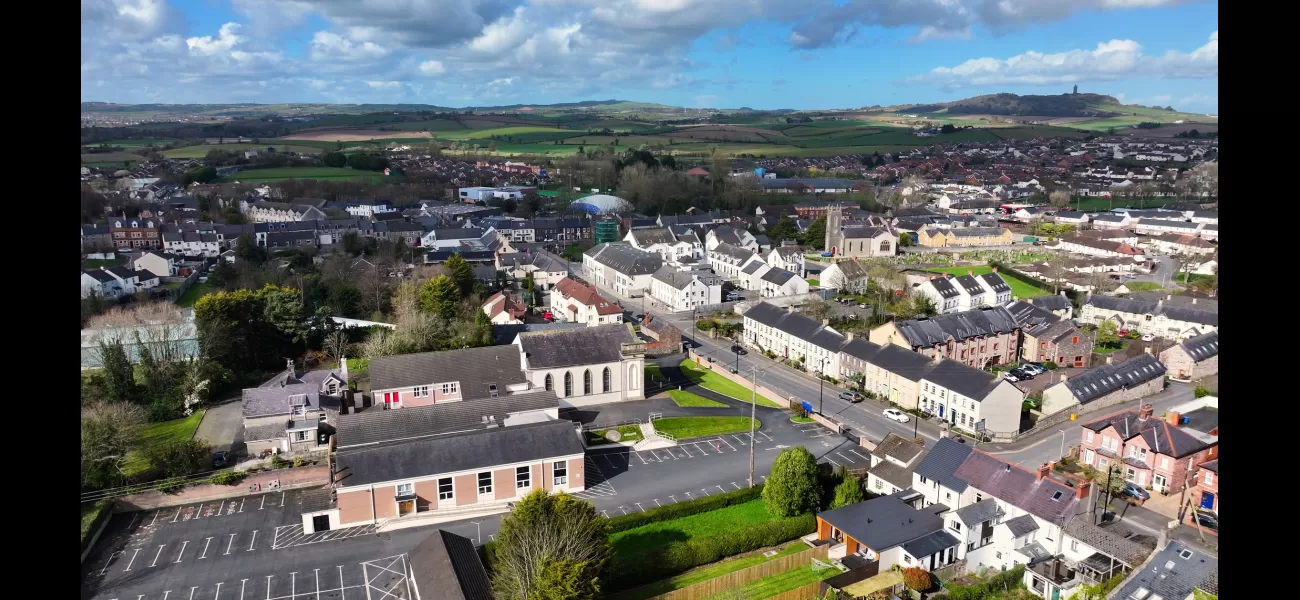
(128, 565)
(254, 541)
(688, 452)
(846, 459)
(724, 440)
(769, 438)
(206, 543)
(832, 461)
(155, 557)
(182, 552)
(859, 455)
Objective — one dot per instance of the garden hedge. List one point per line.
(626, 572)
(684, 509)
(993, 587)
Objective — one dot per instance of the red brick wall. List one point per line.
(577, 474)
(503, 484)
(385, 506)
(354, 507)
(537, 478)
(466, 489)
(426, 493)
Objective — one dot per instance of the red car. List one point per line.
(1123, 332)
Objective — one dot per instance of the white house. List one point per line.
(158, 264)
(780, 282)
(476, 194)
(368, 208)
(970, 398)
(1173, 322)
(278, 212)
(892, 462)
(956, 294)
(730, 261)
(684, 290)
(788, 257)
(661, 241)
(1076, 218)
(620, 267)
(546, 268)
(192, 244)
(588, 366)
(794, 336)
(575, 302)
(116, 281)
(847, 276)
(730, 235)
(1090, 246)
(1155, 226)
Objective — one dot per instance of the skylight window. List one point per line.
(1057, 496)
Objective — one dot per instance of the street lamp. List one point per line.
(821, 385)
(1062, 454)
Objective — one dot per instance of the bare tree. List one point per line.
(108, 432)
(1056, 273)
(818, 309)
(1101, 283)
(1059, 198)
(337, 344)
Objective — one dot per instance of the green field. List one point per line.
(683, 398)
(110, 159)
(709, 380)
(693, 427)
(649, 537)
(202, 150)
(280, 174)
(161, 433)
(707, 572)
(137, 142)
(783, 582)
(1019, 289)
(192, 295)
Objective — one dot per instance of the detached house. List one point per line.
(621, 267)
(295, 411)
(685, 290)
(889, 530)
(576, 302)
(503, 309)
(789, 257)
(1194, 358)
(780, 282)
(1150, 450)
(847, 276)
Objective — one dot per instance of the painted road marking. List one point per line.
(706, 491)
(263, 504)
(182, 552)
(724, 440)
(831, 460)
(722, 489)
(671, 497)
(734, 483)
(229, 544)
(268, 589)
(110, 561)
(688, 452)
(178, 515)
(128, 565)
(241, 503)
(657, 502)
(206, 543)
(769, 438)
(155, 557)
(192, 592)
(250, 544)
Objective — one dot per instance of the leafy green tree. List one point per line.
(108, 432)
(352, 243)
(178, 458)
(557, 533)
(904, 240)
(161, 373)
(334, 159)
(223, 276)
(282, 308)
(246, 248)
(791, 489)
(461, 273)
(204, 174)
(785, 229)
(848, 492)
(1107, 334)
(440, 296)
(118, 373)
(816, 235)
(947, 128)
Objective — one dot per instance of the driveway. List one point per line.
(223, 426)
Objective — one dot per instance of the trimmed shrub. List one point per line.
(627, 572)
(916, 578)
(990, 588)
(227, 477)
(1201, 391)
(684, 509)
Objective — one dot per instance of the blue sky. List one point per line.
(802, 54)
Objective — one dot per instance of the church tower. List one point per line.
(834, 219)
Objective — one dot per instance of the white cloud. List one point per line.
(330, 46)
(384, 85)
(1109, 61)
(930, 32)
(226, 39)
(432, 67)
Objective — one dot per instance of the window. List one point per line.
(444, 488)
(1056, 497)
(907, 559)
(1209, 478)
(405, 489)
(1074, 545)
(1078, 359)
(923, 479)
(560, 472)
(586, 382)
(422, 391)
(492, 390)
(1042, 345)
(606, 381)
(550, 383)
(450, 388)
(485, 482)
(300, 436)
(947, 496)
(523, 477)
(979, 497)
(970, 546)
(1164, 462)
(955, 526)
(568, 384)
(298, 410)
(1087, 436)
(995, 346)
(999, 554)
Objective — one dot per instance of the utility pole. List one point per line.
(753, 403)
(821, 386)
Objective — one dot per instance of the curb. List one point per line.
(95, 538)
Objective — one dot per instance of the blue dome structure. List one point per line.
(601, 204)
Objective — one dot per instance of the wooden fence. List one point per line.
(739, 578)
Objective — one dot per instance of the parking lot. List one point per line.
(382, 578)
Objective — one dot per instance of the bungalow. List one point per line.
(892, 462)
(1111, 221)
(1152, 451)
(780, 282)
(1096, 247)
(1175, 243)
(1106, 385)
(889, 530)
(1194, 358)
(577, 302)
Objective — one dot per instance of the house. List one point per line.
(892, 462)
(1195, 358)
(979, 338)
(1089, 555)
(972, 399)
(970, 291)
(780, 282)
(730, 261)
(446, 565)
(811, 345)
(503, 309)
(263, 211)
(1170, 321)
(295, 411)
(547, 269)
(577, 302)
(1207, 481)
(1107, 385)
(663, 242)
(583, 367)
(112, 282)
(1152, 451)
(135, 233)
(470, 195)
(847, 276)
(621, 267)
(731, 235)
(1058, 305)
(160, 265)
(425, 378)
(788, 256)
(192, 244)
(1158, 226)
(933, 237)
(1095, 247)
(1184, 244)
(96, 238)
(889, 530)
(891, 372)
(1045, 336)
(858, 240)
(428, 475)
(934, 475)
(680, 291)
(467, 237)
(368, 207)
(942, 292)
(1175, 572)
(1112, 221)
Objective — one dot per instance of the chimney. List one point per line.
(1144, 413)
(1062, 293)
(1063, 378)
(849, 336)
(826, 322)
(1193, 300)
(1174, 417)
(1169, 296)
(947, 275)
(1082, 489)
(290, 365)
(343, 367)
(1042, 472)
(995, 269)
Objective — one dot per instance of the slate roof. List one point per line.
(272, 398)
(735, 253)
(995, 282)
(1211, 465)
(1139, 307)
(1106, 540)
(941, 462)
(575, 347)
(963, 379)
(898, 447)
(857, 232)
(945, 287)
(1022, 525)
(1170, 576)
(898, 476)
(938, 330)
(977, 231)
(753, 267)
(1033, 320)
(469, 451)
(978, 512)
(649, 237)
(778, 276)
(1158, 434)
(1056, 302)
(625, 259)
(375, 425)
(1202, 347)
(474, 368)
(572, 289)
(884, 522)
(446, 565)
(1100, 381)
(929, 544)
(1046, 498)
(902, 362)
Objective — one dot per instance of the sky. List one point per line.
(763, 54)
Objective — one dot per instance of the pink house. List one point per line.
(1151, 451)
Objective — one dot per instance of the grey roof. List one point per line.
(506, 334)
(978, 512)
(856, 232)
(1157, 433)
(99, 275)
(625, 259)
(945, 287)
(1171, 576)
(932, 543)
(938, 330)
(996, 282)
(681, 279)
(977, 231)
(1106, 540)
(273, 397)
(884, 522)
(851, 269)
(1167, 223)
(1139, 307)
(1056, 302)
(1022, 525)
(474, 368)
(1202, 347)
(778, 276)
(376, 425)
(970, 284)
(797, 325)
(658, 235)
(898, 447)
(753, 267)
(963, 379)
(457, 452)
(1045, 498)
(941, 462)
(1033, 320)
(446, 565)
(732, 251)
(898, 476)
(1211, 465)
(1100, 381)
(269, 431)
(575, 347)
(902, 362)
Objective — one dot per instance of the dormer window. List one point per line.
(298, 410)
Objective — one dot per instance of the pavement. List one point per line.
(222, 426)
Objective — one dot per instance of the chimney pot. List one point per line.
(850, 336)
(995, 269)
(970, 272)
(1082, 490)
(1043, 470)
(1145, 412)
(1194, 300)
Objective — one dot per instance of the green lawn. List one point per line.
(192, 295)
(156, 433)
(707, 572)
(283, 173)
(90, 515)
(1100, 350)
(628, 433)
(783, 582)
(649, 537)
(814, 282)
(709, 380)
(202, 150)
(802, 419)
(688, 399)
(1019, 288)
(1142, 286)
(692, 427)
(358, 365)
(95, 263)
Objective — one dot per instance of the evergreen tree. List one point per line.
(440, 296)
(792, 489)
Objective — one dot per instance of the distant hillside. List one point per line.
(349, 109)
(1063, 105)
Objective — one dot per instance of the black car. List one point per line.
(739, 350)
(220, 458)
(1022, 374)
(1206, 518)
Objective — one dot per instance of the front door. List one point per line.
(1159, 482)
(1207, 500)
(950, 552)
(940, 411)
(932, 558)
(405, 507)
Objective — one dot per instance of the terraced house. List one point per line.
(796, 337)
(933, 237)
(1194, 358)
(965, 292)
(978, 338)
(1046, 336)
(1157, 318)
(1107, 385)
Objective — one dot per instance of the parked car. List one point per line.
(1114, 276)
(1207, 519)
(1135, 491)
(896, 415)
(1033, 368)
(1011, 376)
(1021, 374)
(638, 318)
(1122, 332)
(1148, 337)
(862, 305)
(739, 350)
(220, 459)
(851, 396)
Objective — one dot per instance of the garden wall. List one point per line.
(735, 579)
(300, 477)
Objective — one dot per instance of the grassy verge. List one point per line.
(707, 572)
(688, 399)
(358, 365)
(1142, 286)
(192, 295)
(802, 419)
(627, 433)
(709, 380)
(1097, 348)
(92, 514)
(692, 427)
(652, 373)
(649, 537)
(1019, 287)
(783, 582)
(161, 433)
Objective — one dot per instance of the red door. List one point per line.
(391, 398)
